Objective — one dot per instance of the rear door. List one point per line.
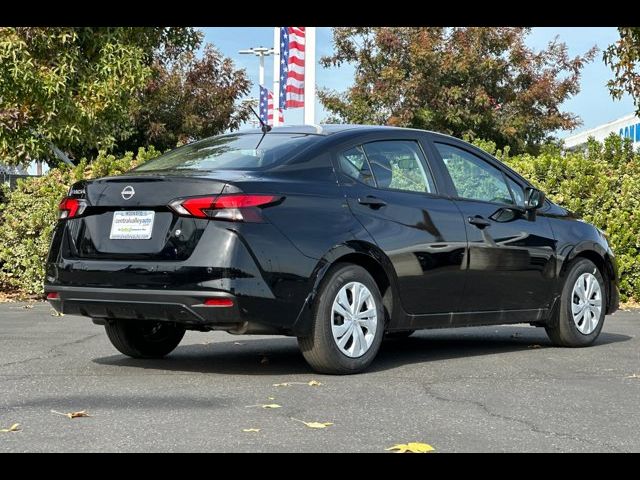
(392, 191)
(511, 252)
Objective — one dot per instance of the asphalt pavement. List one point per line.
(490, 389)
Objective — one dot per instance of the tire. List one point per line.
(321, 349)
(562, 328)
(399, 334)
(144, 339)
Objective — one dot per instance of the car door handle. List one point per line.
(372, 201)
(479, 222)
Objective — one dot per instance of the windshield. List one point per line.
(230, 152)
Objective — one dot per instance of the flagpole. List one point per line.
(261, 71)
(260, 52)
(310, 76)
(276, 76)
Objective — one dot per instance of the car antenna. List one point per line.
(264, 127)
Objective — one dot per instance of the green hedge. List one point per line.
(601, 184)
(29, 214)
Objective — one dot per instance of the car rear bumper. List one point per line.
(241, 262)
(179, 306)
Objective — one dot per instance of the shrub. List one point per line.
(29, 215)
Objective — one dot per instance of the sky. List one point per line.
(593, 104)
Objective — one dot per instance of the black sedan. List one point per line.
(338, 235)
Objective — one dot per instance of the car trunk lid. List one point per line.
(138, 199)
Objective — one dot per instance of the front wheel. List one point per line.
(348, 322)
(144, 339)
(580, 316)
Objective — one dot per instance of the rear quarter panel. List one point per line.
(315, 219)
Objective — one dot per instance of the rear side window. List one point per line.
(399, 165)
(250, 151)
(354, 164)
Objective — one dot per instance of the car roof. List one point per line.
(326, 129)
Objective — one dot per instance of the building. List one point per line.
(12, 170)
(627, 127)
(10, 174)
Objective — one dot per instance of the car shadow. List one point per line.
(438, 345)
(280, 355)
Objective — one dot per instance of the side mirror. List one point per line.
(534, 199)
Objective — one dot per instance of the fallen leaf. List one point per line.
(314, 424)
(13, 428)
(80, 414)
(265, 405)
(27, 307)
(534, 346)
(55, 313)
(251, 430)
(312, 383)
(412, 447)
(318, 424)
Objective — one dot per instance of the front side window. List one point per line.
(474, 178)
(398, 165)
(518, 192)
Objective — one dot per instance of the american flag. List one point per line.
(266, 107)
(292, 40)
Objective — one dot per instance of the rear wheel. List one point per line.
(348, 322)
(144, 339)
(580, 316)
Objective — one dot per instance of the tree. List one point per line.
(187, 99)
(76, 87)
(468, 82)
(624, 59)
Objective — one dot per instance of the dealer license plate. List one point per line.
(132, 225)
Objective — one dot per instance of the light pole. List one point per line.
(260, 52)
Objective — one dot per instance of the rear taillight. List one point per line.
(218, 302)
(71, 207)
(237, 207)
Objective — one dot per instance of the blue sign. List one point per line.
(632, 132)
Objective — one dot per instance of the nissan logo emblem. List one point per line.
(127, 192)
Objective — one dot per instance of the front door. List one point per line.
(391, 191)
(510, 258)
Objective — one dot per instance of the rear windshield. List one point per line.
(231, 152)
